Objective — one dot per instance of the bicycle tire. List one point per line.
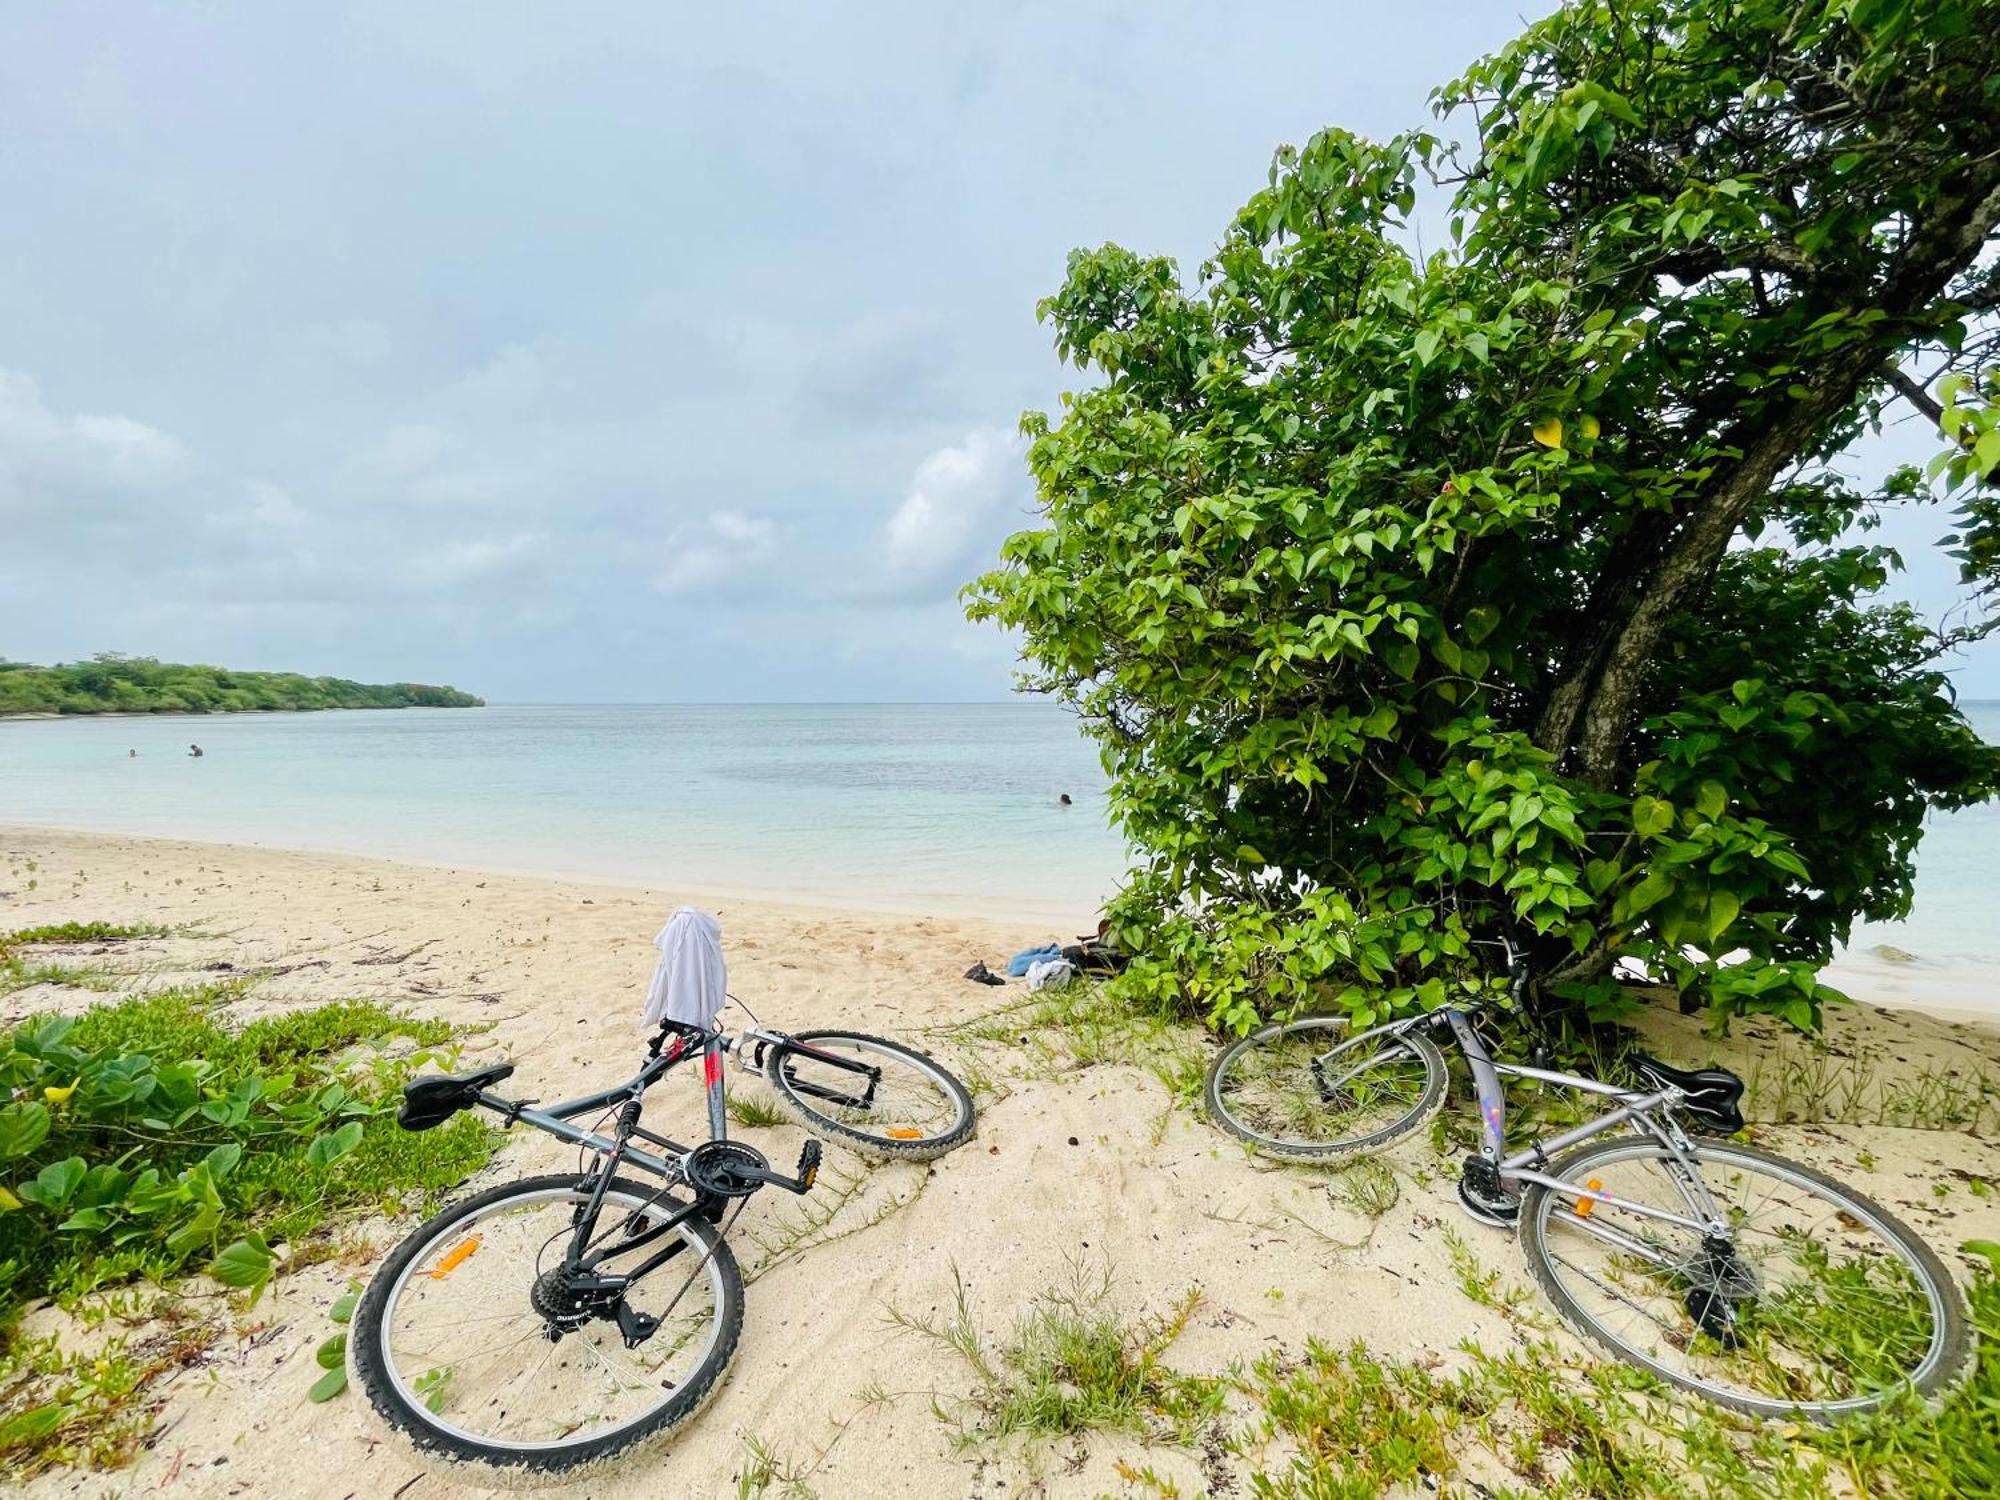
(1953, 1340)
(1430, 1098)
(469, 1461)
(925, 1147)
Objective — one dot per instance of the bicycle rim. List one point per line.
(1819, 1304)
(1305, 1088)
(913, 1103)
(463, 1343)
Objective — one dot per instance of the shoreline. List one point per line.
(1951, 991)
(971, 908)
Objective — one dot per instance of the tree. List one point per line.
(1516, 583)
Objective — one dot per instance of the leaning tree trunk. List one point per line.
(1591, 709)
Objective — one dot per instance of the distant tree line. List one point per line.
(113, 683)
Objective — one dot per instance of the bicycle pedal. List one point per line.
(809, 1156)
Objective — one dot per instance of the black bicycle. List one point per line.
(546, 1327)
(1750, 1280)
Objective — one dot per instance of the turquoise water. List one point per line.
(948, 809)
(932, 808)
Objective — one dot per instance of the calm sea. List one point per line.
(947, 809)
(933, 808)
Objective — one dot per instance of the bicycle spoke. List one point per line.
(522, 1387)
(1805, 1302)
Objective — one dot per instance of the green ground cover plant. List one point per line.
(1518, 575)
(113, 683)
(1533, 1423)
(146, 1138)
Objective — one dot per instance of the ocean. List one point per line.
(946, 809)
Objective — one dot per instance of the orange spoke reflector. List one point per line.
(904, 1133)
(457, 1256)
(1585, 1205)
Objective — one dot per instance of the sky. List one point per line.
(615, 353)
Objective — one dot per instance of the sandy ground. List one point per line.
(1070, 1163)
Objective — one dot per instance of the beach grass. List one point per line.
(1071, 1363)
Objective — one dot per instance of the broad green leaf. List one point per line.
(52, 1186)
(1655, 888)
(1723, 906)
(1651, 816)
(32, 1425)
(23, 1126)
(246, 1264)
(330, 1147)
(329, 1385)
(332, 1353)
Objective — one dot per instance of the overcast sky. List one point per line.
(603, 353)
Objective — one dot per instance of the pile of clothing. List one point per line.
(1055, 964)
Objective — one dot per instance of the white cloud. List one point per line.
(77, 465)
(459, 562)
(726, 545)
(962, 499)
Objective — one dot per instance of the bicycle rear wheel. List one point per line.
(1818, 1304)
(1309, 1089)
(875, 1097)
(452, 1341)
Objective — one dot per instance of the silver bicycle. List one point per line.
(1748, 1279)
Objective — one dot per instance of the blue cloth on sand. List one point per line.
(1018, 964)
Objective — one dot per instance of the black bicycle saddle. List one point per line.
(1713, 1094)
(434, 1099)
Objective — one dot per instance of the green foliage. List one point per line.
(1359, 1426)
(1408, 595)
(145, 1138)
(111, 683)
(1071, 1364)
(65, 1409)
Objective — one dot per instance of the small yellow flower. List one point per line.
(58, 1096)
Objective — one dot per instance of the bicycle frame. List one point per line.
(618, 1151)
(1649, 1114)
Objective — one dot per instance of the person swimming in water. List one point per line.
(1063, 800)
(195, 751)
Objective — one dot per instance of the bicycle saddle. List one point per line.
(1713, 1094)
(434, 1099)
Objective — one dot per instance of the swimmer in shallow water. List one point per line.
(195, 751)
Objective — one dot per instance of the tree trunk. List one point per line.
(1590, 710)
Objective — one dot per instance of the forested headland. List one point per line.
(111, 683)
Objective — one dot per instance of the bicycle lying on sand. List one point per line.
(1750, 1280)
(525, 1329)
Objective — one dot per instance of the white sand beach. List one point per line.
(1071, 1162)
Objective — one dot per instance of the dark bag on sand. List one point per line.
(1095, 956)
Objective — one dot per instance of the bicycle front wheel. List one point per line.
(474, 1350)
(875, 1097)
(1310, 1088)
(1816, 1303)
